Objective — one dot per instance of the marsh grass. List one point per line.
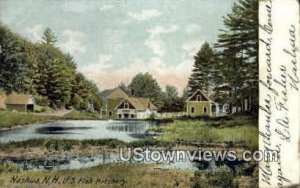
(62, 145)
(243, 131)
(135, 175)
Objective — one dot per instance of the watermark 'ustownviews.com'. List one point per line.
(148, 155)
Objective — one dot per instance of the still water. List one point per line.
(123, 130)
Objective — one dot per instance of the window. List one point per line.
(204, 110)
(199, 97)
(132, 116)
(109, 113)
(213, 108)
(126, 105)
(192, 110)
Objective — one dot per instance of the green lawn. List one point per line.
(9, 119)
(235, 131)
(76, 115)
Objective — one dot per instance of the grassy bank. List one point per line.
(123, 175)
(10, 119)
(236, 131)
(76, 115)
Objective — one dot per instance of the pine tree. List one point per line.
(13, 65)
(49, 37)
(201, 73)
(239, 52)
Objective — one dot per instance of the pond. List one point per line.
(87, 129)
(123, 130)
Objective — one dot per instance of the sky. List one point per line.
(113, 40)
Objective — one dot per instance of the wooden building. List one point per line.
(118, 105)
(20, 102)
(200, 105)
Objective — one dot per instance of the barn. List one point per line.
(20, 102)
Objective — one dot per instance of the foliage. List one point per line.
(222, 177)
(44, 71)
(238, 45)
(144, 85)
(172, 102)
(200, 78)
(7, 167)
(233, 63)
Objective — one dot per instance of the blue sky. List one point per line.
(112, 40)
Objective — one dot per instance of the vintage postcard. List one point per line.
(149, 93)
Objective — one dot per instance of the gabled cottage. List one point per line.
(200, 105)
(135, 108)
(118, 105)
(20, 102)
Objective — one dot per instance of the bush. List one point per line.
(41, 101)
(9, 167)
(222, 177)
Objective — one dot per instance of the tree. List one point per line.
(49, 37)
(43, 70)
(238, 44)
(14, 67)
(172, 102)
(144, 85)
(200, 78)
(125, 88)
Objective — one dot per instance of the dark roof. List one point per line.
(19, 99)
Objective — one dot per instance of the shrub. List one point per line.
(41, 101)
(9, 167)
(222, 177)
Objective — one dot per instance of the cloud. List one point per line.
(154, 41)
(74, 43)
(106, 7)
(103, 63)
(34, 33)
(192, 28)
(107, 77)
(156, 45)
(144, 14)
(158, 30)
(74, 7)
(192, 47)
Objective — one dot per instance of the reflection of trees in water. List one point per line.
(135, 127)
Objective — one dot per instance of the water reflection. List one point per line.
(123, 130)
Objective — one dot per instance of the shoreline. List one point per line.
(41, 118)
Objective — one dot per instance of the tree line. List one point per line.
(227, 71)
(44, 71)
(231, 64)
